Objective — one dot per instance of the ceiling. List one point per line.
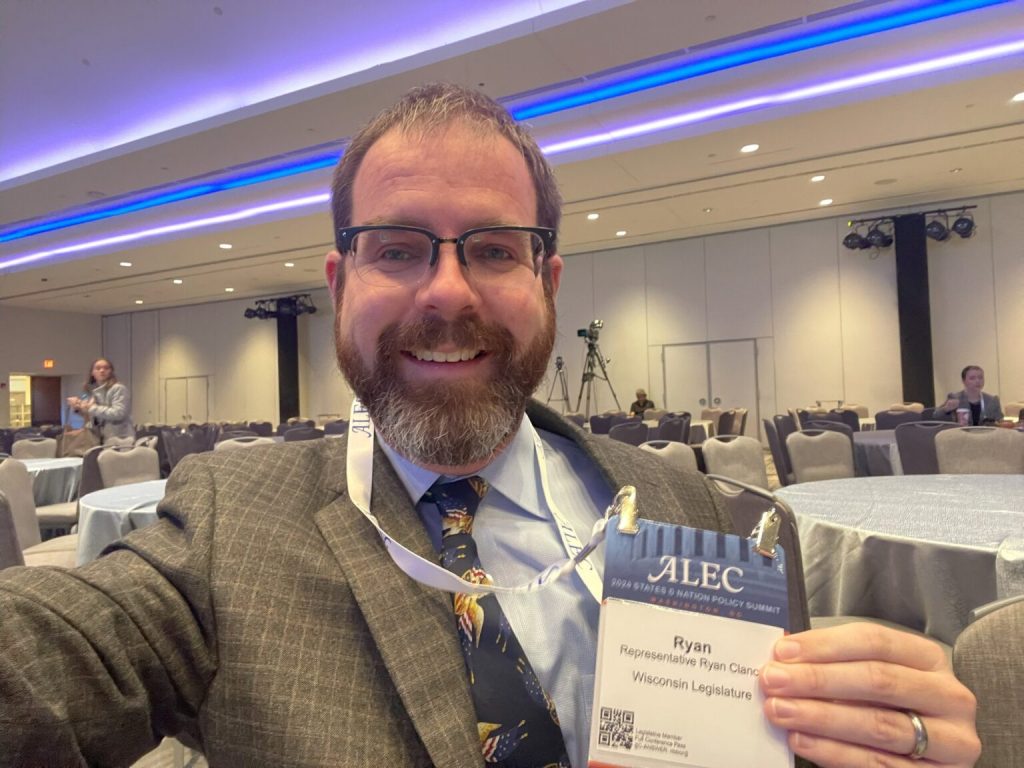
(124, 98)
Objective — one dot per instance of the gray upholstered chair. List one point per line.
(846, 416)
(16, 486)
(302, 433)
(911, 407)
(726, 422)
(10, 549)
(779, 457)
(599, 424)
(820, 455)
(119, 466)
(654, 414)
(679, 454)
(916, 443)
(861, 410)
(980, 451)
(738, 457)
(831, 425)
(34, 448)
(632, 432)
(988, 658)
(893, 418)
(673, 427)
(243, 442)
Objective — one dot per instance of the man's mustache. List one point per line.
(430, 332)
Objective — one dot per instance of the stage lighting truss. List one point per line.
(875, 235)
(878, 233)
(283, 306)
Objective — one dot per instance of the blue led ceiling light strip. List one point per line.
(720, 62)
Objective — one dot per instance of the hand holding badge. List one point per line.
(688, 618)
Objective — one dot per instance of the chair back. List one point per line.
(891, 419)
(739, 425)
(632, 432)
(10, 548)
(230, 434)
(1012, 410)
(599, 425)
(179, 443)
(738, 457)
(6, 440)
(679, 454)
(845, 416)
(988, 658)
(121, 466)
(829, 425)
(244, 441)
(779, 457)
(302, 433)
(674, 428)
(262, 428)
(91, 479)
(746, 504)
(916, 443)
(726, 422)
(911, 407)
(34, 448)
(711, 414)
(148, 441)
(980, 451)
(16, 485)
(654, 414)
(336, 427)
(861, 410)
(820, 455)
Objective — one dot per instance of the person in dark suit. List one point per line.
(262, 617)
(641, 404)
(981, 407)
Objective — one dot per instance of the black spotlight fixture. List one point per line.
(964, 225)
(878, 238)
(855, 241)
(937, 230)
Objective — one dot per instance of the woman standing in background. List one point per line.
(107, 404)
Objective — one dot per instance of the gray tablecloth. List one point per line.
(107, 515)
(920, 550)
(54, 480)
(875, 453)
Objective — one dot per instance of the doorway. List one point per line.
(186, 399)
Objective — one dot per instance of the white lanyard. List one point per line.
(359, 471)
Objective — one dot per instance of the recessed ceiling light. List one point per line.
(955, 170)
(177, 281)
(126, 263)
(138, 301)
(593, 216)
(826, 201)
(289, 263)
(748, 148)
(1018, 97)
(708, 210)
(621, 233)
(818, 177)
(229, 290)
(225, 246)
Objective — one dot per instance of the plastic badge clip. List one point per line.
(624, 505)
(766, 534)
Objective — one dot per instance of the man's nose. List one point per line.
(447, 287)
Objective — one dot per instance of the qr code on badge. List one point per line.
(616, 728)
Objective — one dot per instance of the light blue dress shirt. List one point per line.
(517, 538)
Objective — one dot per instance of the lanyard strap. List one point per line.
(359, 471)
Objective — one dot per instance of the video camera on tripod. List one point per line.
(591, 332)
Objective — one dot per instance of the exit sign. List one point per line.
(48, 363)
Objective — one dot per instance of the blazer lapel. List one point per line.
(412, 625)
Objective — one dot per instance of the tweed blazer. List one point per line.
(261, 620)
(993, 410)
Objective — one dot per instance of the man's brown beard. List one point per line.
(448, 423)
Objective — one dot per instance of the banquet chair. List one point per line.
(988, 658)
(16, 487)
(861, 410)
(711, 414)
(179, 443)
(845, 416)
(336, 427)
(820, 455)
(911, 407)
(246, 441)
(229, 434)
(679, 454)
(980, 451)
(599, 425)
(302, 433)
(654, 414)
(262, 428)
(34, 448)
(726, 422)
(1012, 410)
(830, 425)
(916, 443)
(739, 425)
(631, 432)
(122, 466)
(674, 428)
(91, 479)
(893, 418)
(779, 457)
(10, 550)
(6, 440)
(738, 457)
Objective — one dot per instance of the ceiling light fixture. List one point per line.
(818, 177)
(225, 246)
(708, 210)
(877, 237)
(1018, 97)
(748, 148)
(621, 233)
(229, 290)
(138, 301)
(177, 281)
(826, 201)
(289, 264)
(283, 306)
(124, 263)
(855, 241)
(593, 216)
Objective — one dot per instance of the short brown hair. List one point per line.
(432, 106)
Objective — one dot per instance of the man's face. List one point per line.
(393, 342)
(975, 379)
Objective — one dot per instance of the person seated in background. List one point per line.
(984, 408)
(641, 404)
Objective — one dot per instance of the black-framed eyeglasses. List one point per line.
(399, 255)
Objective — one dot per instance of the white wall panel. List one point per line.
(738, 276)
(676, 293)
(805, 292)
(146, 389)
(619, 300)
(575, 309)
(1007, 220)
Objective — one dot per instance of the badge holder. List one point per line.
(688, 618)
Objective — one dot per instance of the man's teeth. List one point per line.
(457, 356)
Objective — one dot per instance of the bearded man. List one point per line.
(278, 612)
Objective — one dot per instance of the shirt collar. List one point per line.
(513, 473)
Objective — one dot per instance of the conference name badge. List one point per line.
(687, 620)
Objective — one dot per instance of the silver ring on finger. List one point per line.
(920, 735)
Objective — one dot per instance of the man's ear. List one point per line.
(555, 265)
(332, 267)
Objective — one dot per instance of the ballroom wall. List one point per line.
(824, 319)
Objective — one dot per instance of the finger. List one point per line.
(859, 641)
(873, 682)
(873, 730)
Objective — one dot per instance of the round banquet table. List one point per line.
(105, 516)
(919, 550)
(876, 453)
(54, 480)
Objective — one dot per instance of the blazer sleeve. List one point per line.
(117, 407)
(98, 663)
(993, 408)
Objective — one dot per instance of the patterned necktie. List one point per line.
(516, 719)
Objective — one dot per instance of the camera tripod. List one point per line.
(594, 360)
(559, 381)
